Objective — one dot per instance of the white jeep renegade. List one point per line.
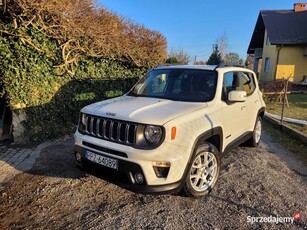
(170, 131)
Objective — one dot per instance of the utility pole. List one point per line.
(215, 47)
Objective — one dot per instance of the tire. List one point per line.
(255, 139)
(203, 171)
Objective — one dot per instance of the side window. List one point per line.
(239, 81)
(231, 82)
(248, 83)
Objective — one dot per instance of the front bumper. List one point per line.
(125, 175)
(132, 161)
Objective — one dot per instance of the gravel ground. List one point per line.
(260, 182)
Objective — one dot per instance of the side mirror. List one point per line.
(237, 96)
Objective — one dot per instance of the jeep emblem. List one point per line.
(111, 114)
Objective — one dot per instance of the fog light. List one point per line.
(139, 178)
(161, 168)
(161, 172)
(78, 157)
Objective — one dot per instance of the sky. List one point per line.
(194, 26)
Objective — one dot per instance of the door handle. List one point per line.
(243, 107)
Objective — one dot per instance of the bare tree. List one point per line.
(233, 58)
(222, 44)
(181, 56)
(200, 63)
(249, 61)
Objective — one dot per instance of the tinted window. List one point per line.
(231, 81)
(240, 81)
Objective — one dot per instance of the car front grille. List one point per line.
(112, 130)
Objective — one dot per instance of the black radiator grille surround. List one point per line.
(112, 130)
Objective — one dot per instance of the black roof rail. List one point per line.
(167, 64)
(229, 65)
(219, 65)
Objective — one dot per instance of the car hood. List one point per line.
(145, 110)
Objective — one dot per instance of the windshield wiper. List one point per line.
(136, 95)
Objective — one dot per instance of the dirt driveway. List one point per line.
(261, 182)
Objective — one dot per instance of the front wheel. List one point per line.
(203, 172)
(255, 139)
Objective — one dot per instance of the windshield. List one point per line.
(177, 84)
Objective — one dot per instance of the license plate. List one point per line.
(102, 160)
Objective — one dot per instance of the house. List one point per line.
(279, 44)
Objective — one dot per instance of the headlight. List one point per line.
(82, 122)
(83, 119)
(153, 134)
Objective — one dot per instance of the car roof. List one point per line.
(204, 67)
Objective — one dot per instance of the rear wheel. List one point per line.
(255, 139)
(203, 172)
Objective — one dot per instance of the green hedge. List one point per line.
(51, 97)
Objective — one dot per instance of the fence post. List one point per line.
(283, 101)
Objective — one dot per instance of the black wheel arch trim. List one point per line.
(215, 132)
(261, 110)
(202, 138)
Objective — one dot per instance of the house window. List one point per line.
(267, 65)
(268, 41)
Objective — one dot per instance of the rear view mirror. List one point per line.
(237, 96)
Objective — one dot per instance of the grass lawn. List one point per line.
(297, 107)
(302, 128)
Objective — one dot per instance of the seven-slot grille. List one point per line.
(113, 130)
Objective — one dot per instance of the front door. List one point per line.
(234, 114)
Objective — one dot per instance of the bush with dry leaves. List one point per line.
(81, 28)
(56, 56)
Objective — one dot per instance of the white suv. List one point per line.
(170, 131)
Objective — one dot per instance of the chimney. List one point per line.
(300, 6)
